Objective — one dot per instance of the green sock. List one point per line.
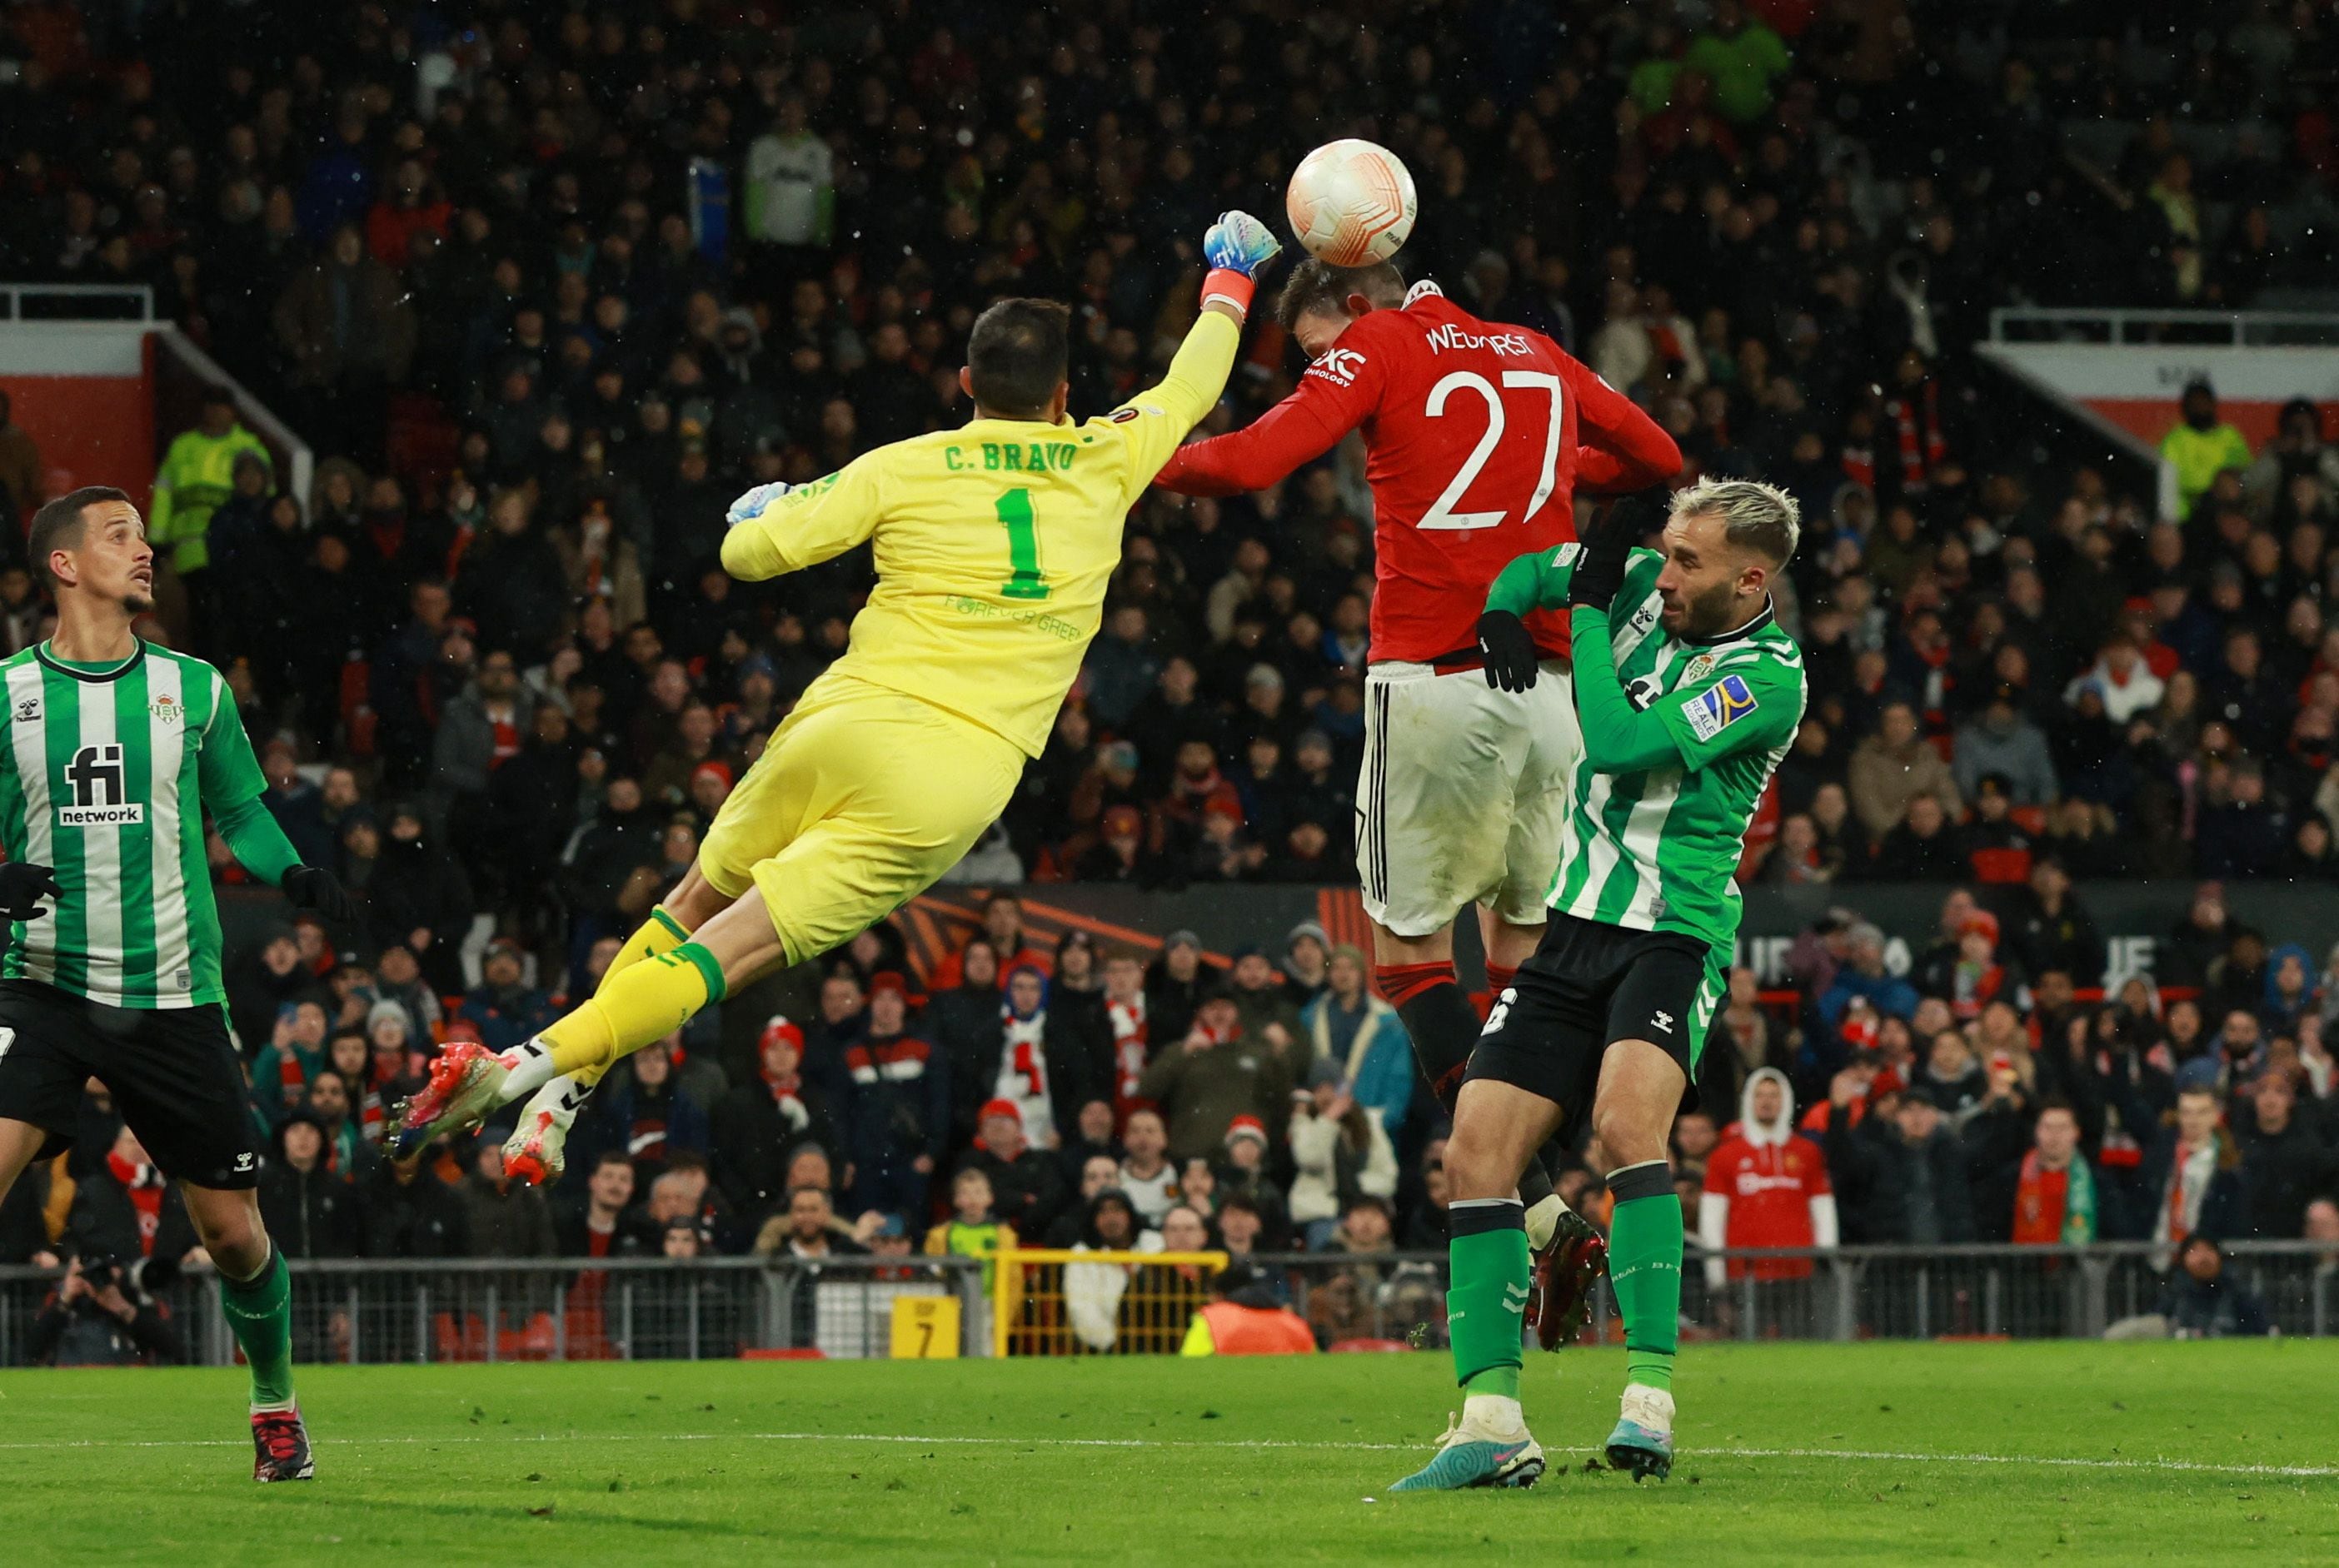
(1485, 1309)
(259, 1314)
(1644, 1264)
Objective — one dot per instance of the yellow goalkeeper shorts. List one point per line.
(864, 796)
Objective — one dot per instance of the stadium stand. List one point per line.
(544, 285)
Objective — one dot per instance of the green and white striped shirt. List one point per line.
(1672, 773)
(104, 778)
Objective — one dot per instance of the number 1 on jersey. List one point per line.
(1029, 582)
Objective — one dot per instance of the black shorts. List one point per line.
(174, 1073)
(1586, 987)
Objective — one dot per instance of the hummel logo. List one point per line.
(1663, 1021)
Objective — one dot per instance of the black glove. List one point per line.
(1509, 651)
(1600, 569)
(22, 887)
(314, 887)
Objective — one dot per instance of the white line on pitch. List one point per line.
(2299, 1471)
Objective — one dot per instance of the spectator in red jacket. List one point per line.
(1766, 1185)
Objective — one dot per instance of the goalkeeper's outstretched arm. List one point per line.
(778, 528)
(1238, 247)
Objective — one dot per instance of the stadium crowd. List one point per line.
(1078, 1095)
(546, 284)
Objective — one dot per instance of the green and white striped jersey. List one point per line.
(1656, 847)
(104, 778)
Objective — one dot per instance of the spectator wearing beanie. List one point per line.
(758, 1127)
(1243, 1177)
(1350, 1027)
(506, 1012)
(898, 1109)
(1027, 1190)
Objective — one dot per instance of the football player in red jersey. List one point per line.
(1478, 436)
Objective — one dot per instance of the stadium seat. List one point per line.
(2001, 865)
(422, 440)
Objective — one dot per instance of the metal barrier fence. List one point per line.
(612, 1309)
(1052, 1303)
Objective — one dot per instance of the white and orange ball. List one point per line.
(1350, 202)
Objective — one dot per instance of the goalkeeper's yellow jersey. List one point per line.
(993, 543)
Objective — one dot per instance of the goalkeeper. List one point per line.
(112, 971)
(994, 543)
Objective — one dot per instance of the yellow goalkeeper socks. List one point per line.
(649, 1000)
(661, 933)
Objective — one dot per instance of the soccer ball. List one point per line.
(1350, 202)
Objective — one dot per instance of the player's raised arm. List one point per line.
(1617, 738)
(1623, 449)
(1755, 699)
(776, 529)
(232, 785)
(1537, 580)
(1238, 247)
(1339, 391)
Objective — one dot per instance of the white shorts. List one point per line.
(1463, 795)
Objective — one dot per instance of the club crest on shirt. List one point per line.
(1697, 669)
(1722, 705)
(167, 709)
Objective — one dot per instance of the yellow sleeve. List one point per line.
(1154, 421)
(1199, 1339)
(811, 524)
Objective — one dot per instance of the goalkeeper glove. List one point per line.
(1238, 247)
(750, 506)
(314, 887)
(1600, 570)
(1509, 651)
(22, 887)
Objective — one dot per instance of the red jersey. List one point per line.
(1472, 432)
(1769, 1187)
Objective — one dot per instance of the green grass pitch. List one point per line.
(1875, 1452)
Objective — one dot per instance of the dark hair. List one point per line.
(613, 1157)
(57, 525)
(1319, 288)
(1017, 356)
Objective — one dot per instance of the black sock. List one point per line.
(1443, 1027)
(1534, 1182)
